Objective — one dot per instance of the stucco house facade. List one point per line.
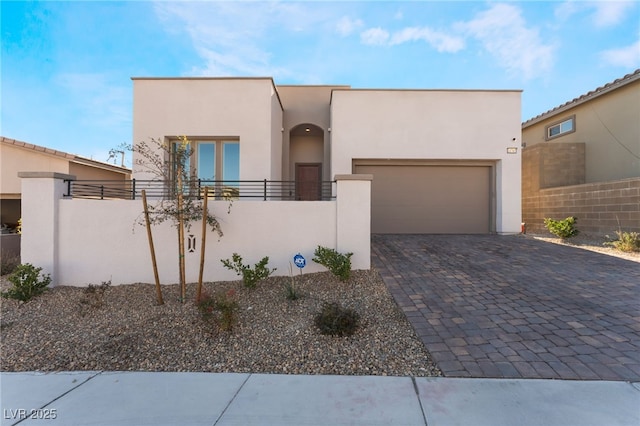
(442, 161)
(582, 159)
(18, 156)
(396, 161)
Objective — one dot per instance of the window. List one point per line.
(213, 159)
(216, 159)
(560, 128)
(230, 161)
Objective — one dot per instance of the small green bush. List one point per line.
(250, 276)
(562, 228)
(336, 320)
(224, 303)
(627, 241)
(339, 264)
(27, 283)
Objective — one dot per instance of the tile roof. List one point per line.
(65, 155)
(629, 78)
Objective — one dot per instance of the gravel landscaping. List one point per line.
(69, 328)
(589, 242)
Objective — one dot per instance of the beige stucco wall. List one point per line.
(306, 149)
(15, 159)
(206, 107)
(276, 136)
(85, 172)
(608, 125)
(302, 105)
(434, 125)
(87, 241)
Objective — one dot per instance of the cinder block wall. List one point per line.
(550, 165)
(553, 186)
(601, 208)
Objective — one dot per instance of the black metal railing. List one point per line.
(220, 190)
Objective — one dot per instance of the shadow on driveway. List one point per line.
(514, 307)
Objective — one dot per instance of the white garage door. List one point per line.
(429, 199)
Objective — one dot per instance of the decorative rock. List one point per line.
(274, 335)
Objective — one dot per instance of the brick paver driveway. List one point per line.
(509, 306)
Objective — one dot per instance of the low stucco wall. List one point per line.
(81, 242)
(101, 241)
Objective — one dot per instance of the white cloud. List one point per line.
(231, 64)
(232, 37)
(628, 57)
(566, 10)
(603, 14)
(346, 26)
(610, 13)
(503, 32)
(438, 40)
(375, 36)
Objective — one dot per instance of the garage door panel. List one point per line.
(429, 199)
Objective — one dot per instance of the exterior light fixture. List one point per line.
(512, 150)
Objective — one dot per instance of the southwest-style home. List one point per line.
(442, 161)
(583, 159)
(306, 166)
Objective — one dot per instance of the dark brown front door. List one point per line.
(308, 181)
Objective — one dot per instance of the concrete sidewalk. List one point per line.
(143, 398)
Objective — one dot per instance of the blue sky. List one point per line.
(66, 66)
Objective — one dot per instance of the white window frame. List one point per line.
(559, 126)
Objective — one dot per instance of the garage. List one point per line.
(410, 197)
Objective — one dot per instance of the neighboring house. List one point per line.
(582, 159)
(443, 161)
(17, 156)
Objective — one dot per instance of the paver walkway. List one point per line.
(514, 307)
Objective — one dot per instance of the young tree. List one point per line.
(168, 162)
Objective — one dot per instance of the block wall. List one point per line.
(553, 177)
(601, 208)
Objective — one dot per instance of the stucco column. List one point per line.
(41, 192)
(353, 218)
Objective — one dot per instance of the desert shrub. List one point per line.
(562, 228)
(627, 241)
(27, 283)
(93, 296)
(8, 263)
(339, 264)
(250, 276)
(290, 290)
(224, 303)
(336, 320)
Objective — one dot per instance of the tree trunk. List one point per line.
(159, 298)
(204, 242)
(181, 266)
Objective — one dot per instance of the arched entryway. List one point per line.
(306, 158)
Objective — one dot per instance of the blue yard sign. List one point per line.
(299, 260)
